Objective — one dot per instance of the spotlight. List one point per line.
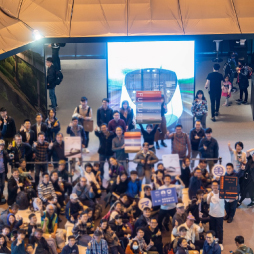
(37, 35)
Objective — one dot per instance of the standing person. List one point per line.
(55, 54)
(214, 82)
(41, 149)
(28, 135)
(242, 80)
(76, 130)
(149, 134)
(57, 150)
(162, 130)
(216, 212)
(11, 127)
(180, 142)
(196, 134)
(116, 122)
(118, 147)
(195, 183)
(238, 157)
(126, 113)
(104, 113)
(209, 148)
(4, 158)
(230, 69)
(39, 126)
(199, 108)
(53, 125)
(168, 210)
(185, 172)
(105, 148)
(18, 246)
(180, 216)
(247, 183)
(210, 246)
(226, 90)
(241, 247)
(51, 81)
(84, 113)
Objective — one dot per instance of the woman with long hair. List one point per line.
(199, 108)
(3, 245)
(53, 125)
(126, 113)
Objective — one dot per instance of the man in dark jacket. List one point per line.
(143, 220)
(210, 247)
(196, 134)
(73, 208)
(209, 148)
(4, 158)
(105, 148)
(51, 79)
(39, 126)
(11, 127)
(71, 247)
(42, 245)
(104, 113)
(28, 135)
(195, 183)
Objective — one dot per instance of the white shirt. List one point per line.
(217, 206)
(235, 161)
(89, 177)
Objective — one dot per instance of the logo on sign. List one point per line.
(169, 192)
(218, 170)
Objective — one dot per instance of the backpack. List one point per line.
(59, 77)
(168, 249)
(247, 251)
(22, 200)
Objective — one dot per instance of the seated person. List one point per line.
(6, 232)
(129, 205)
(153, 236)
(102, 226)
(97, 172)
(3, 218)
(182, 246)
(90, 221)
(14, 223)
(147, 191)
(115, 168)
(71, 247)
(73, 208)
(192, 230)
(59, 188)
(3, 245)
(46, 190)
(88, 174)
(143, 220)
(97, 243)
(15, 185)
(143, 247)
(120, 185)
(42, 245)
(80, 230)
(134, 185)
(206, 177)
(27, 179)
(116, 209)
(133, 248)
(120, 229)
(195, 183)
(64, 175)
(49, 225)
(112, 241)
(180, 215)
(18, 246)
(199, 208)
(30, 249)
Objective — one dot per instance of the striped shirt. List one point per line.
(46, 192)
(97, 248)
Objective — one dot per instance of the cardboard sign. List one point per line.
(228, 187)
(148, 107)
(164, 196)
(218, 170)
(72, 147)
(132, 142)
(144, 202)
(171, 164)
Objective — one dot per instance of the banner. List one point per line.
(132, 142)
(171, 164)
(164, 196)
(72, 147)
(228, 187)
(148, 107)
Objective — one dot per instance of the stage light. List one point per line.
(134, 91)
(37, 35)
(148, 70)
(168, 91)
(154, 70)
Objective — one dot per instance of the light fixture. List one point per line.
(37, 35)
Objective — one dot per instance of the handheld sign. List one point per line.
(164, 196)
(132, 142)
(72, 147)
(144, 202)
(228, 187)
(218, 170)
(171, 164)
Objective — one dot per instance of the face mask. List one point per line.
(135, 247)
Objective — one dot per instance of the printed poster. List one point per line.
(72, 147)
(171, 164)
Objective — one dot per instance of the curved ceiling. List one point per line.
(98, 18)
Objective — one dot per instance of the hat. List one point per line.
(50, 59)
(2, 142)
(73, 196)
(3, 109)
(83, 98)
(179, 205)
(191, 217)
(62, 162)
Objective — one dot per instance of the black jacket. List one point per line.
(42, 247)
(104, 116)
(140, 222)
(70, 250)
(181, 250)
(212, 150)
(117, 228)
(5, 250)
(81, 131)
(6, 160)
(194, 209)
(195, 142)
(149, 137)
(149, 235)
(44, 128)
(12, 190)
(51, 77)
(105, 143)
(129, 119)
(11, 127)
(32, 137)
(57, 151)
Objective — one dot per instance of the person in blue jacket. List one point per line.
(18, 246)
(71, 247)
(210, 246)
(195, 183)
